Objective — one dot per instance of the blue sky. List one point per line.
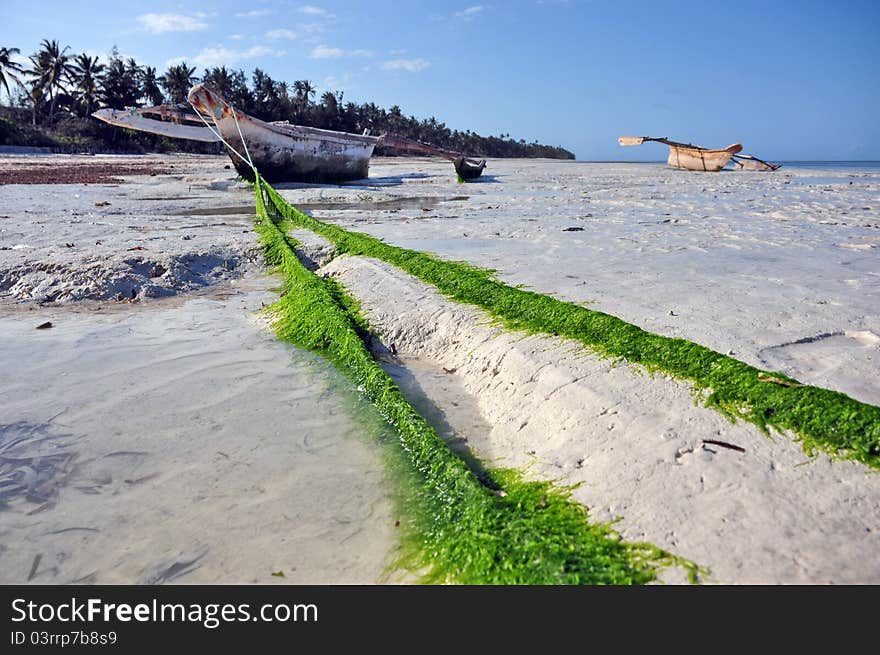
(789, 80)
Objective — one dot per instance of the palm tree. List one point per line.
(150, 86)
(51, 68)
(36, 89)
(265, 88)
(119, 84)
(259, 79)
(220, 80)
(177, 81)
(330, 101)
(265, 96)
(9, 68)
(240, 94)
(85, 76)
(328, 110)
(36, 97)
(303, 91)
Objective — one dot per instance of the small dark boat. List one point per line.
(468, 169)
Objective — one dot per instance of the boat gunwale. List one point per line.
(212, 98)
(717, 151)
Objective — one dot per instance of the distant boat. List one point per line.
(752, 163)
(687, 155)
(280, 151)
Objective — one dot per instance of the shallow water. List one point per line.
(179, 442)
(420, 202)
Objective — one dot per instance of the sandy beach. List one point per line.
(158, 432)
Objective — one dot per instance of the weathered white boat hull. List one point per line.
(286, 153)
(697, 159)
(135, 120)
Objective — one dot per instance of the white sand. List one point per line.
(779, 269)
(633, 442)
(766, 267)
(202, 450)
(746, 262)
(188, 444)
(102, 241)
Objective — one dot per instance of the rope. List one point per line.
(224, 141)
(241, 136)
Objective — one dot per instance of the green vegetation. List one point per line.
(820, 419)
(502, 530)
(58, 83)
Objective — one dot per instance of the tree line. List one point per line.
(57, 84)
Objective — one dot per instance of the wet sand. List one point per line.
(777, 269)
(181, 442)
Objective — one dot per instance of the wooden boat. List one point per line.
(280, 151)
(283, 152)
(166, 120)
(465, 167)
(468, 169)
(687, 155)
(752, 163)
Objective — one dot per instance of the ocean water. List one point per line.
(834, 165)
(797, 164)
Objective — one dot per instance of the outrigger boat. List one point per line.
(280, 151)
(752, 163)
(687, 155)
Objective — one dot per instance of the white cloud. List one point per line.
(255, 13)
(281, 34)
(312, 10)
(408, 65)
(161, 23)
(222, 56)
(236, 37)
(470, 12)
(324, 52)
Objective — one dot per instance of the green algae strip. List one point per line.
(821, 419)
(457, 528)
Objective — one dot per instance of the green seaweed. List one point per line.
(456, 527)
(820, 419)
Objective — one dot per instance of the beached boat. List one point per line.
(687, 155)
(280, 151)
(752, 163)
(467, 168)
(165, 120)
(283, 152)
